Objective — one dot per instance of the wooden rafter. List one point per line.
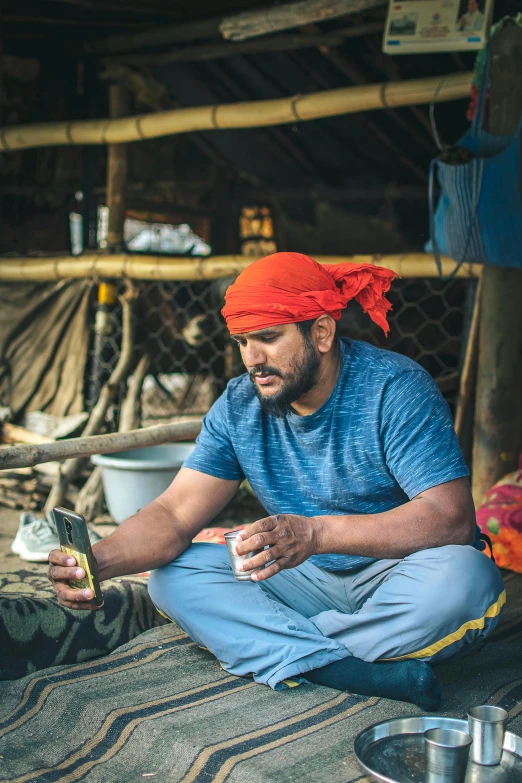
(250, 24)
(373, 128)
(235, 27)
(273, 43)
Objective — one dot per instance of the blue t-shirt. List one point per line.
(384, 435)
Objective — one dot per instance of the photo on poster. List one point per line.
(404, 25)
(471, 16)
(414, 26)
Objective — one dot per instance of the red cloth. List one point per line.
(286, 288)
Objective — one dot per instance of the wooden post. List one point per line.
(468, 379)
(116, 182)
(498, 417)
(116, 171)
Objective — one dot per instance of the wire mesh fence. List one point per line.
(192, 356)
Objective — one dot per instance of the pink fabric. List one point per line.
(500, 517)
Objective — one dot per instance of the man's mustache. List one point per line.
(263, 370)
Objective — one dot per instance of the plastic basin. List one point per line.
(131, 479)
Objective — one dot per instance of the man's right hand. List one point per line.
(63, 568)
(153, 537)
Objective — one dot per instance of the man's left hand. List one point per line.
(291, 540)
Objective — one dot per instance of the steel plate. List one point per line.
(393, 752)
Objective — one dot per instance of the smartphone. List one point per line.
(74, 540)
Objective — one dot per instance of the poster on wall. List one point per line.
(436, 26)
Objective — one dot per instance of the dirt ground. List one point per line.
(9, 562)
(9, 521)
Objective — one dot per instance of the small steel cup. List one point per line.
(446, 753)
(486, 726)
(241, 576)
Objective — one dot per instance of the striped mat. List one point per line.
(159, 708)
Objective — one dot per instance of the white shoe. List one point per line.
(34, 539)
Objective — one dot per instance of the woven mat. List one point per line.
(161, 708)
(36, 632)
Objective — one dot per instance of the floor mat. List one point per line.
(161, 708)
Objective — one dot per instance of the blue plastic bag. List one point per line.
(478, 218)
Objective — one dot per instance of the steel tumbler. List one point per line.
(446, 754)
(242, 576)
(486, 725)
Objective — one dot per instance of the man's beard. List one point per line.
(299, 381)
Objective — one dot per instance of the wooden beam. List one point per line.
(375, 129)
(498, 413)
(354, 194)
(148, 267)
(61, 22)
(167, 34)
(105, 6)
(260, 193)
(235, 27)
(250, 24)
(343, 64)
(273, 43)
(388, 65)
(79, 448)
(250, 114)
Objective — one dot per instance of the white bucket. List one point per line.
(132, 479)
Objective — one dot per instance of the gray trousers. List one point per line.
(429, 606)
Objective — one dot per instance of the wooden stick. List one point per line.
(247, 114)
(469, 368)
(250, 24)
(130, 413)
(148, 267)
(107, 395)
(28, 456)
(12, 433)
(90, 498)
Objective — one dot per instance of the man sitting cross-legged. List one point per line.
(368, 564)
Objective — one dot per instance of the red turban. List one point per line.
(285, 288)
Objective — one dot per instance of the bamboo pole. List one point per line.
(247, 114)
(79, 448)
(148, 267)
